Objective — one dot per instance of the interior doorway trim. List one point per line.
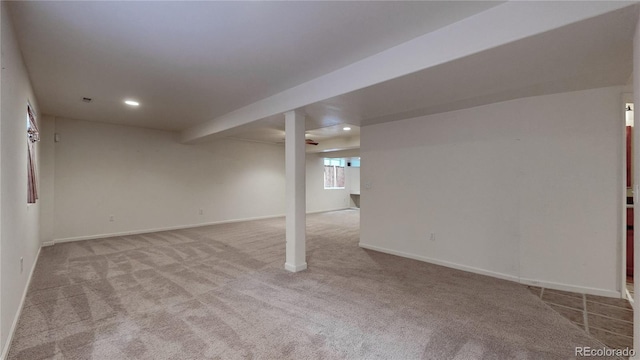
(626, 98)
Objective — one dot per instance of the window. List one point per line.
(33, 135)
(334, 173)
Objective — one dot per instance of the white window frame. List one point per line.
(335, 164)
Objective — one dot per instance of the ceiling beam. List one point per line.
(497, 26)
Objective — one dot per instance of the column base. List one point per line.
(295, 268)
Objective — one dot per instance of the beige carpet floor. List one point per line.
(220, 292)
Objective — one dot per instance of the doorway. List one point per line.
(629, 200)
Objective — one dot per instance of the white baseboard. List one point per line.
(441, 262)
(169, 228)
(539, 283)
(14, 325)
(629, 298)
(326, 211)
(295, 268)
(571, 288)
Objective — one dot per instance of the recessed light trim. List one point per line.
(346, 128)
(132, 103)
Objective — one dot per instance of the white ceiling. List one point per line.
(597, 52)
(188, 62)
(592, 53)
(273, 132)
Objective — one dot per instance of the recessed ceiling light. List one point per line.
(346, 128)
(131, 103)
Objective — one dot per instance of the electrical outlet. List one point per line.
(21, 265)
(112, 218)
(201, 212)
(432, 237)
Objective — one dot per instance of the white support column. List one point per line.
(636, 189)
(295, 191)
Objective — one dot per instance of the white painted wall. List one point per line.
(328, 147)
(343, 153)
(147, 180)
(47, 177)
(353, 174)
(319, 198)
(19, 225)
(527, 190)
